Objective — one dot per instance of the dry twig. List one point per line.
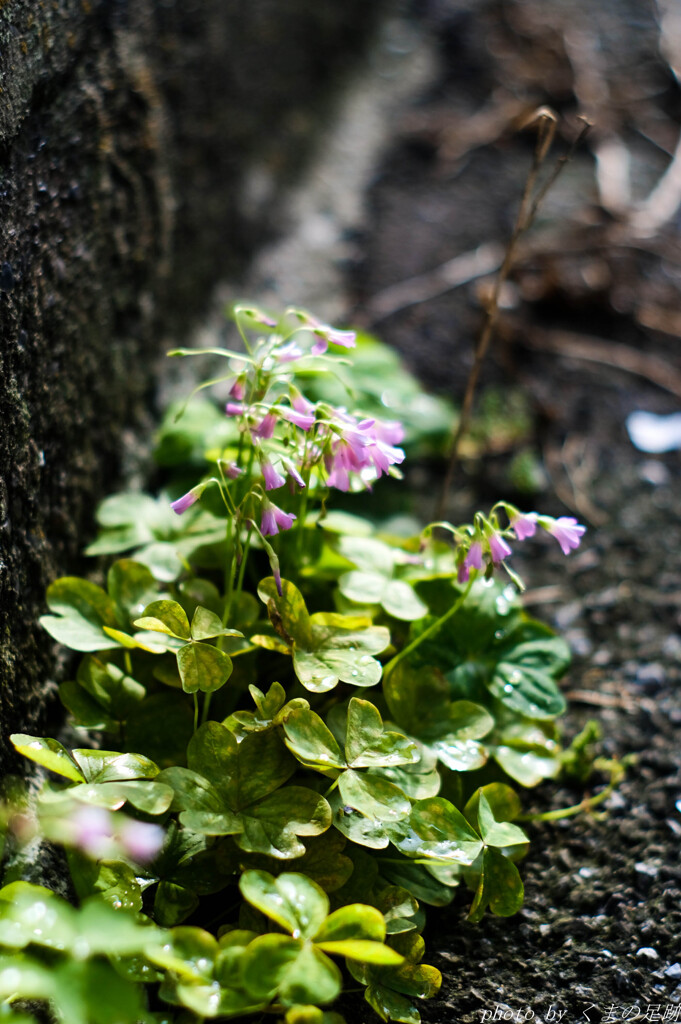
(545, 121)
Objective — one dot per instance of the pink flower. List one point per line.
(231, 470)
(299, 402)
(257, 315)
(288, 353)
(140, 840)
(187, 500)
(567, 531)
(235, 408)
(523, 524)
(325, 333)
(238, 389)
(473, 560)
(273, 479)
(389, 431)
(498, 547)
(304, 420)
(274, 519)
(92, 831)
(265, 429)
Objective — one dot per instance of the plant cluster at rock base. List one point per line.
(300, 727)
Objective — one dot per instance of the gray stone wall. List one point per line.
(126, 133)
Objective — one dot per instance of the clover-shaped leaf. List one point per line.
(201, 666)
(373, 580)
(529, 662)
(499, 886)
(233, 788)
(272, 709)
(419, 699)
(296, 967)
(327, 648)
(390, 988)
(437, 829)
(367, 743)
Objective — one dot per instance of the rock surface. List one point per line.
(126, 133)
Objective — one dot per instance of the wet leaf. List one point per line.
(327, 648)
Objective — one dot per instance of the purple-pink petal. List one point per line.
(304, 420)
(185, 502)
(141, 840)
(284, 520)
(235, 408)
(268, 522)
(473, 559)
(524, 524)
(498, 547)
(273, 479)
(265, 429)
(568, 532)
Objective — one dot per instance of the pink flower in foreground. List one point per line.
(498, 547)
(273, 479)
(523, 524)
(140, 840)
(567, 531)
(92, 831)
(359, 446)
(232, 471)
(274, 519)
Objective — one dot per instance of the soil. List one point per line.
(597, 280)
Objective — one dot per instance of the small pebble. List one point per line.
(673, 971)
(587, 872)
(675, 996)
(650, 870)
(647, 953)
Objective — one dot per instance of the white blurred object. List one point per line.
(655, 434)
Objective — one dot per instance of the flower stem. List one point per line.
(427, 633)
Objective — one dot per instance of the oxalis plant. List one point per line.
(299, 728)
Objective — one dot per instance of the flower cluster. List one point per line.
(287, 439)
(485, 544)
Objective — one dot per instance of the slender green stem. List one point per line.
(206, 706)
(332, 786)
(427, 633)
(244, 558)
(616, 774)
(128, 662)
(196, 711)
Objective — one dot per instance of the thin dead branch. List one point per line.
(544, 121)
